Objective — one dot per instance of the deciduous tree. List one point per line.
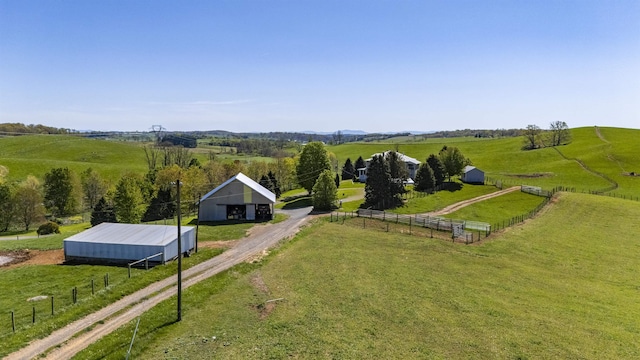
(93, 186)
(324, 192)
(313, 161)
(7, 207)
(453, 161)
(129, 200)
(28, 202)
(531, 137)
(559, 133)
(60, 192)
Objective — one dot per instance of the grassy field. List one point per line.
(22, 283)
(38, 154)
(540, 290)
(498, 209)
(503, 158)
(419, 203)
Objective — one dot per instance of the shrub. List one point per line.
(48, 228)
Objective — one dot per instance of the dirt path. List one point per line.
(459, 205)
(94, 326)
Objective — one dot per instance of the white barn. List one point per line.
(473, 175)
(239, 198)
(124, 243)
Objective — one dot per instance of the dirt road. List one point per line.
(128, 308)
(459, 205)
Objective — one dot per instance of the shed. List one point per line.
(472, 175)
(239, 198)
(124, 243)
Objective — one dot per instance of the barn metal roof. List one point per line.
(247, 181)
(130, 234)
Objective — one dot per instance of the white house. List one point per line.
(473, 175)
(411, 163)
(123, 243)
(239, 198)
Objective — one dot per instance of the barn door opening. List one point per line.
(263, 212)
(236, 212)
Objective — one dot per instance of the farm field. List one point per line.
(498, 209)
(503, 158)
(23, 282)
(37, 154)
(539, 290)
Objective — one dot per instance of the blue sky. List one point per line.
(319, 65)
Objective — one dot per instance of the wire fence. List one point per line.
(426, 226)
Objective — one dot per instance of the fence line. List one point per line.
(460, 230)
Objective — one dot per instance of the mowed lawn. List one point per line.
(563, 285)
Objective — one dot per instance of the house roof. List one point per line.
(248, 182)
(129, 234)
(403, 157)
(469, 168)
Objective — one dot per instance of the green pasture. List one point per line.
(504, 159)
(22, 283)
(31, 240)
(38, 154)
(419, 203)
(498, 209)
(539, 290)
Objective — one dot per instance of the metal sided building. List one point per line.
(124, 243)
(472, 175)
(239, 198)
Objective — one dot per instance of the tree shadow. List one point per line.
(452, 186)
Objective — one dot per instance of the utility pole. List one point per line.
(179, 256)
(198, 221)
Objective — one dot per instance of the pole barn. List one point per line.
(123, 243)
(239, 198)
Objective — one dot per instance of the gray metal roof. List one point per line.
(247, 181)
(130, 234)
(469, 168)
(401, 156)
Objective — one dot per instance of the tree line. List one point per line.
(557, 134)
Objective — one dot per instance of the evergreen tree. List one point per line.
(103, 212)
(348, 171)
(324, 192)
(360, 163)
(397, 167)
(266, 183)
(381, 191)
(425, 181)
(439, 172)
(161, 207)
(337, 180)
(274, 181)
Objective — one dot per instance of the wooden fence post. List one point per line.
(13, 322)
(33, 316)
(93, 289)
(51, 305)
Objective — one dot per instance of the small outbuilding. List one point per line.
(124, 243)
(472, 175)
(239, 198)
